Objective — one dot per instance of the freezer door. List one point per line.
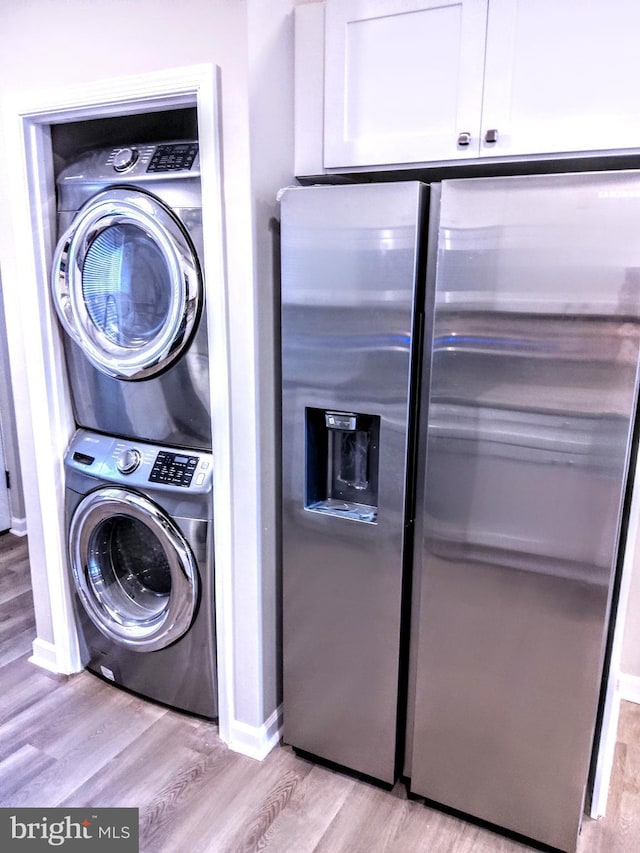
(349, 323)
(523, 466)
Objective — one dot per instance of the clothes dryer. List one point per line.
(140, 548)
(128, 288)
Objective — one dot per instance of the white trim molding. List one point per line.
(629, 688)
(256, 741)
(18, 526)
(44, 655)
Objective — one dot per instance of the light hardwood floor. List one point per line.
(81, 742)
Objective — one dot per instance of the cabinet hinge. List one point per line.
(7, 477)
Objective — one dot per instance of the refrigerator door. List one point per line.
(350, 284)
(523, 468)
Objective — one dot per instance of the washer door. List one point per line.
(126, 284)
(133, 569)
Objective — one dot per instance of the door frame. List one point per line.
(43, 408)
(5, 504)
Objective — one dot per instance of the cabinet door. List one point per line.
(403, 80)
(561, 77)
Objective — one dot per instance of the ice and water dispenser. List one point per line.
(342, 452)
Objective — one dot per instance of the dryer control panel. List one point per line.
(169, 169)
(173, 157)
(138, 463)
(168, 157)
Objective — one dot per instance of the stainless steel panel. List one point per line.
(533, 387)
(349, 279)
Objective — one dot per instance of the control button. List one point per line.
(124, 159)
(204, 464)
(199, 479)
(128, 461)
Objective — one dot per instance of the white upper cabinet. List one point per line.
(439, 81)
(561, 77)
(403, 80)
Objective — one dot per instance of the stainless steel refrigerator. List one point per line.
(528, 395)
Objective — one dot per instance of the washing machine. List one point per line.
(128, 288)
(140, 548)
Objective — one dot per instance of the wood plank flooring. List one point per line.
(81, 742)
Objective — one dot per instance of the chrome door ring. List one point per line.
(160, 629)
(133, 207)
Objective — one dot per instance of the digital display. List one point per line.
(173, 469)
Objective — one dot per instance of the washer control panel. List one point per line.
(174, 468)
(138, 463)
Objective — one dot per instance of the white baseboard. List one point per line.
(44, 655)
(629, 687)
(256, 741)
(19, 526)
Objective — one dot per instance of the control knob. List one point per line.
(124, 158)
(128, 461)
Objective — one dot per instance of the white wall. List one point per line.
(271, 131)
(49, 45)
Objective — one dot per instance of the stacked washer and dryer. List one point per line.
(128, 289)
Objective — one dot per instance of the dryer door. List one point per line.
(127, 284)
(134, 571)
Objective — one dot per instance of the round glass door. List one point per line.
(133, 569)
(127, 284)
